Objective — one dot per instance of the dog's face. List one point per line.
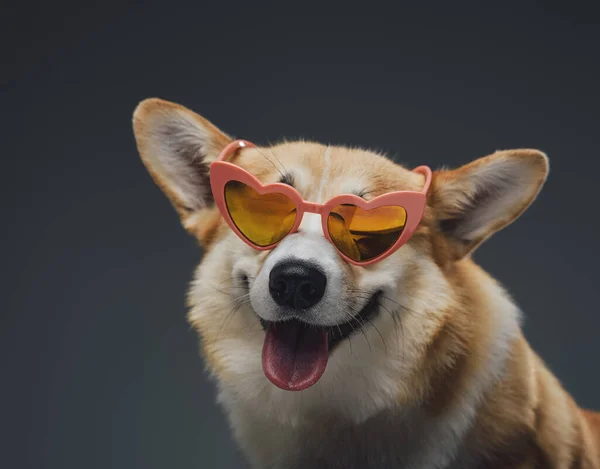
(299, 313)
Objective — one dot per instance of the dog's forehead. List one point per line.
(320, 172)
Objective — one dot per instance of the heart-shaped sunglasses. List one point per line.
(362, 231)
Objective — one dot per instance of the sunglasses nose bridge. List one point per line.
(311, 207)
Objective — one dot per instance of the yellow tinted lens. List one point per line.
(363, 235)
(262, 219)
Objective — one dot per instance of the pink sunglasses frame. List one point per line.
(221, 172)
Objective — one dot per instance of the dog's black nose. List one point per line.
(296, 284)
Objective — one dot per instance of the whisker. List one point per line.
(231, 286)
(353, 330)
(272, 164)
(239, 298)
(349, 337)
(361, 324)
(383, 295)
(342, 335)
(230, 315)
(380, 335)
(231, 279)
(396, 318)
(272, 153)
(396, 315)
(399, 304)
(226, 292)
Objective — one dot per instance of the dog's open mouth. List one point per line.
(295, 353)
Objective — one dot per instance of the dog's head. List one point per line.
(378, 321)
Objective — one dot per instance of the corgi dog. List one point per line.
(370, 342)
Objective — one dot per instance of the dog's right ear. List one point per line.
(177, 147)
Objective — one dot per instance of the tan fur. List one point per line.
(453, 384)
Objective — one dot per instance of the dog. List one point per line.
(415, 360)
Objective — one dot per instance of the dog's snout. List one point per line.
(296, 284)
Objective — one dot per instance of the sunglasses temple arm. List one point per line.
(232, 147)
(425, 171)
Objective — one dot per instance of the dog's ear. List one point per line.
(473, 202)
(177, 147)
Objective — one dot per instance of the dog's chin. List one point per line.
(338, 332)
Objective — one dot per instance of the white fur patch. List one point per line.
(307, 247)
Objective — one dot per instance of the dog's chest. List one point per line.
(320, 445)
(382, 442)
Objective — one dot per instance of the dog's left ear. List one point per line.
(473, 202)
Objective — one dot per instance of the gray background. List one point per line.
(99, 368)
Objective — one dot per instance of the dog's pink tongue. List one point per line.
(294, 356)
